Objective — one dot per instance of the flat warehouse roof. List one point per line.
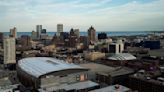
(38, 66)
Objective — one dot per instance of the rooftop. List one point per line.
(99, 68)
(122, 56)
(38, 66)
(112, 89)
(107, 70)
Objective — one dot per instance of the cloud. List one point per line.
(105, 15)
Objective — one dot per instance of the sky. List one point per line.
(103, 15)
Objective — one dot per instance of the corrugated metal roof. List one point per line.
(38, 66)
(122, 56)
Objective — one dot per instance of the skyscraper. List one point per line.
(13, 32)
(34, 35)
(26, 42)
(76, 31)
(38, 29)
(9, 51)
(59, 29)
(91, 34)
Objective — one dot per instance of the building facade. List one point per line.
(26, 41)
(117, 47)
(91, 34)
(13, 32)
(38, 29)
(59, 29)
(9, 51)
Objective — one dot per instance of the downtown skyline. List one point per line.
(104, 15)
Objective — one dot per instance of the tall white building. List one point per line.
(38, 30)
(9, 51)
(59, 29)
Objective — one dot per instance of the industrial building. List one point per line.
(146, 82)
(109, 75)
(152, 44)
(51, 74)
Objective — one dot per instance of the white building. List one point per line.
(117, 47)
(59, 29)
(9, 51)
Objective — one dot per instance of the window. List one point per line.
(82, 77)
(78, 77)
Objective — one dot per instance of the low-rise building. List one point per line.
(108, 74)
(93, 55)
(146, 82)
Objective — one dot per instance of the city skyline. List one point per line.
(104, 15)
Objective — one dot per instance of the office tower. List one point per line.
(76, 31)
(9, 51)
(26, 41)
(1, 37)
(38, 29)
(34, 35)
(59, 29)
(44, 31)
(91, 34)
(43, 34)
(13, 32)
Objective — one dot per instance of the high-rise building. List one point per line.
(91, 34)
(59, 29)
(76, 31)
(43, 34)
(38, 29)
(26, 41)
(84, 40)
(9, 51)
(13, 32)
(34, 35)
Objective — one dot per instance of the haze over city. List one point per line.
(104, 15)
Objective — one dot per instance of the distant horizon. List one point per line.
(98, 31)
(115, 15)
